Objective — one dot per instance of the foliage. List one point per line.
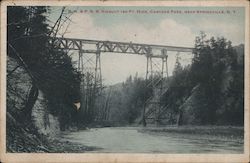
(216, 69)
(128, 99)
(51, 70)
(215, 59)
(220, 77)
(179, 88)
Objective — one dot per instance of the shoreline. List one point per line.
(210, 133)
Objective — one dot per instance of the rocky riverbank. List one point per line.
(26, 139)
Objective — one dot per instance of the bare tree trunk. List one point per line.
(33, 94)
(106, 108)
(179, 120)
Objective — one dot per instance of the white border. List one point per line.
(101, 157)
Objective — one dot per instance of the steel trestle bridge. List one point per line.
(156, 72)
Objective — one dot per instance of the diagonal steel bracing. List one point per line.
(156, 69)
(92, 46)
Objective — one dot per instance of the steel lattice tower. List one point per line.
(156, 73)
(89, 64)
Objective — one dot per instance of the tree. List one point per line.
(179, 88)
(51, 70)
(215, 81)
(211, 61)
(23, 24)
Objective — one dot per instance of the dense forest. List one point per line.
(210, 91)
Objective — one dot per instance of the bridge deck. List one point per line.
(94, 46)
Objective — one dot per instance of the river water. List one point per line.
(129, 140)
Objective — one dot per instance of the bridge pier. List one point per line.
(155, 76)
(89, 67)
(98, 72)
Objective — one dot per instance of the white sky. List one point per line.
(170, 30)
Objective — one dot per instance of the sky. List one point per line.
(176, 26)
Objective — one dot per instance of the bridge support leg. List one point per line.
(155, 75)
(166, 58)
(146, 83)
(98, 73)
(89, 67)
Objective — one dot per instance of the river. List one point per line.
(130, 140)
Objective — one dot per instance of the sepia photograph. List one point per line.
(113, 78)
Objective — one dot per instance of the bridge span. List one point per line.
(155, 72)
